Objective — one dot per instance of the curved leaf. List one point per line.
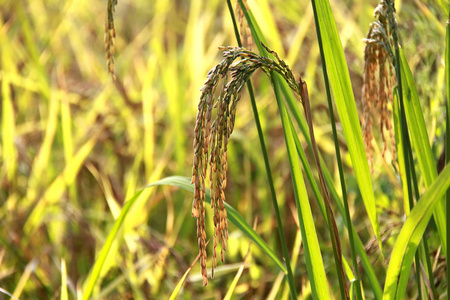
(183, 183)
(420, 142)
(410, 236)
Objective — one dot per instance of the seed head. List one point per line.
(110, 35)
(214, 126)
(378, 80)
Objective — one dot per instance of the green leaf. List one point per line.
(313, 256)
(410, 236)
(420, 142)
(345, 104)
(180, 284)
(64, 294)
(183, 183)
(233, 216)
(400, 153)
(100, 261)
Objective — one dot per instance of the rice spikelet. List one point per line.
(110, 35)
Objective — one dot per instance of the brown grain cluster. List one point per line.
(378, 81)
(110, 35)
(214, 125)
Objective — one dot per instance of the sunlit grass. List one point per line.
(75, 146)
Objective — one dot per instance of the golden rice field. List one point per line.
(122, 121)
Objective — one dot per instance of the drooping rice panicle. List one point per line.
(378, 78)
(214, 126)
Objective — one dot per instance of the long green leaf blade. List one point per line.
(345, 104)
(410, 236)
(420, 142)
(290, 274)
(313, 256)
(233, 215)
(100, 261)
(301, 122)
(185, 184)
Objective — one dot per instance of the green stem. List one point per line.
(424, 241)
(290, 275)
(334, 233)
(338, 158)
(407, 150)
(412, 176)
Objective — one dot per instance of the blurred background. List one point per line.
(75, 145)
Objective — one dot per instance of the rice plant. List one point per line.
(344, 180)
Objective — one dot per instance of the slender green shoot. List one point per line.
(357, 283)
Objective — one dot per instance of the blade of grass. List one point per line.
(66, 127)
(406, 167)
(30, 268)
(410, 236)
(345, 104)
(99, 262)
(41, 162)
(8, 130)
(370, 273)
(263, 11)
(406, 157)
(406, 187)
(64, 294)
(296, 248)
(276, 287)
(356, 284)
(180, 284)
(234, 217)
(183, 183)
(334, 233)
(57, 188)
(301, 122)
(313, 255)
(423, 250)
(148, 99)
(229, 294)
(419, 140)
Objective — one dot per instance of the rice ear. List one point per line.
(110, 35)
(214, 125)
(377, 86)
